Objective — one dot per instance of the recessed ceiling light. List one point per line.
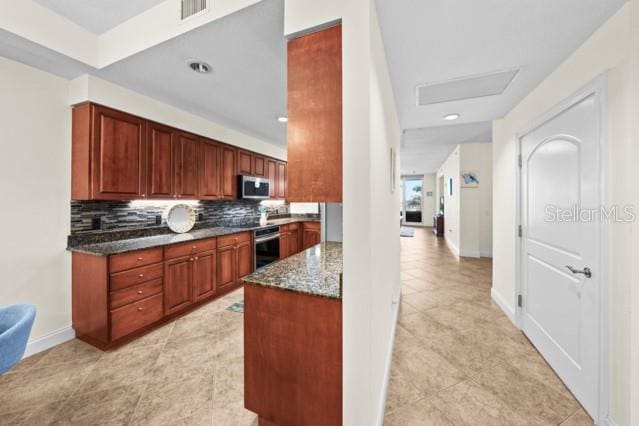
(451, 117)
(282, 119)
(200, 67)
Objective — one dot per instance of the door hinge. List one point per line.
(520, 231)
(520, 161)
(520, 300)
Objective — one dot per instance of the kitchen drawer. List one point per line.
(135, 316)
(312, 225)
(229, 240)
(133, 294)
(292, 227)
(136, 276)
(122, 262)
(186, 249)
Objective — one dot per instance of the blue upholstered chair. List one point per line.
(15, 326)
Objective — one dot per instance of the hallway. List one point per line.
(457, 358)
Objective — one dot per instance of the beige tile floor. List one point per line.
(189, 372)
(458, 360)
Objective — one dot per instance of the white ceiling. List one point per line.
(424, 150)
(247, 88)
(438, 40)
(99, 16)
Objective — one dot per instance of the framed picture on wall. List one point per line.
(470, 179)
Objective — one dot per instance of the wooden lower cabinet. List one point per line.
(311, 234)
(178, 284)
(234, 259)
(132, 317)
(290, 243)
(244, 260)
(204, 275)
(117, 298)
(292, 357)
(226, 266)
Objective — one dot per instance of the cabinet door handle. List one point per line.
(196, 258)
(140, 259)
(140, 309)
(139, 291)
(194, 247)
(141, 275)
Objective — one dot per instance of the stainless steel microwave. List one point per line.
(254, 188)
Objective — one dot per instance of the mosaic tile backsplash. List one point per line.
(123, 215)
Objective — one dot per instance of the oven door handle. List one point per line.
(265, 239)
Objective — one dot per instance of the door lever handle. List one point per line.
(586, 271)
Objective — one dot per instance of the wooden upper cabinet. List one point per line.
(160, 162)
(228, 180)
(118, 156)
(186, 176)
(244, 162)
(280, 180)
(259, 166)
(314, 130)
(109, 154)
(271, 174)
(209, 170)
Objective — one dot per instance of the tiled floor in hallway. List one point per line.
(189, 372)
(458, 359)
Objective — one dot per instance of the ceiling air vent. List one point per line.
(191, 8)
(476, 86)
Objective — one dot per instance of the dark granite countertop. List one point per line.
(123, 246)
(315, 271)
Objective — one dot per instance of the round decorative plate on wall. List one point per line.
(181, 218)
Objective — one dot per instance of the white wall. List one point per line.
(452, 202)
(468, 211)
(385, 134)
(607, 49)
(94, 89)
(476, 203)
(35, 180)
(371, 226)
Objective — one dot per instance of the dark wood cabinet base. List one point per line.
(292, 357)
(151, 327)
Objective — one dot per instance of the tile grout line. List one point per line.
(142, 393)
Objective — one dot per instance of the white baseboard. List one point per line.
(608, 421)
(49, 340)
(466, 253)
(508, 309)
(451, 246)
(389, 361)
(486, 253)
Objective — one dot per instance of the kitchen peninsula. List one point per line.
(293, 339)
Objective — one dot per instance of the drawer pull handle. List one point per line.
(141, 275)
(140, 309)
(194, 247)
(196, 258)
(139, 291)
(140, 258)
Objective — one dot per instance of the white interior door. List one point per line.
(560, 310)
